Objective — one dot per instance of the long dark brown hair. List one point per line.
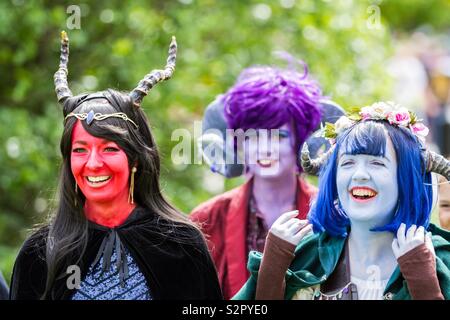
(67, 225)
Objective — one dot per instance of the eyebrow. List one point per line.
(104, 141)
(349, 154)
(80, 142)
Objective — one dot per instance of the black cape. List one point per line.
(176, 268)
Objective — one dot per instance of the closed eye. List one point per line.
(378, 163)
(347, 163)
(444, 204)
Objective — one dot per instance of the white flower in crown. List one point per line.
(342, 124)
(377, 111)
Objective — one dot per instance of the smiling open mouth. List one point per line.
(98, 179)
(363, 193)
(266, 163)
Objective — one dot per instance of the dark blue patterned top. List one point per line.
(107, 286)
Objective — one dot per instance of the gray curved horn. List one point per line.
(155, 76)
(60, 78)
(312, 166)
(438, 164)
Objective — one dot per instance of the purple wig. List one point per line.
(268, 97)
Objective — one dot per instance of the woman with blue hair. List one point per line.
(372, 233)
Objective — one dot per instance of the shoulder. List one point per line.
(310, 242)
(211, 209)
(35, 245)
(30, 267)
(179, 233)
(441, 243)
(307, 249)
(307, 188)
(436, 231)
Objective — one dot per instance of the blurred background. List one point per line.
(360, 52)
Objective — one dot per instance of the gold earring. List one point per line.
(76, 192)
(131, 193)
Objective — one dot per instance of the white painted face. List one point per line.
(271, 157)
(367, 186)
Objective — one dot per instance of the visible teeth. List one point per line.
(265, 162)
(98, 179)
(363, 193)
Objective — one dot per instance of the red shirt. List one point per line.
(224, 221)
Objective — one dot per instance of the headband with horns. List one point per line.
(145, 85)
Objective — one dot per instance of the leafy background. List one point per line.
(119, 41)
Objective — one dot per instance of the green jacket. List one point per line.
(317, 255)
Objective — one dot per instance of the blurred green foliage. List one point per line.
(120, 41)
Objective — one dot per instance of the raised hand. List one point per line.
(414, 237)
(289, 228)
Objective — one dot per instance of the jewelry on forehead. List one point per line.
(91, 116)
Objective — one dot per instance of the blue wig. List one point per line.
(369, 137)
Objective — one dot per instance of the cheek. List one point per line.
(286, 151)
(285, 146)
(250, 151)
(342, 179)
(76, 165)
(387, 181)
(118, 165)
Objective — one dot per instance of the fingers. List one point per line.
(290, 223)
(429, 243)
(420, 234)
(401, 234)
(303, 232)
(286, 216)
(297, 225)
(428, 238)
(395, 248)
(411, 233)
(407, 241)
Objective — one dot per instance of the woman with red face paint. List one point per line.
(113, 235)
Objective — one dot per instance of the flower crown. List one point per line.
(388, 111)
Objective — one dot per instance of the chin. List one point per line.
(374, 219)
(268, 174)
(100, 198)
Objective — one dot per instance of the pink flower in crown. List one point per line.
(420, 130)
(399, 117)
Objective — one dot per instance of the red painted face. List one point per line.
(100, 168)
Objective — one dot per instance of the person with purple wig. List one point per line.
(279, 108)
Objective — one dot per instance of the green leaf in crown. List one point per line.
(329, 131)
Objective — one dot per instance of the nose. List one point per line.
(267, 145)
(94, 161)
(361, 173)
